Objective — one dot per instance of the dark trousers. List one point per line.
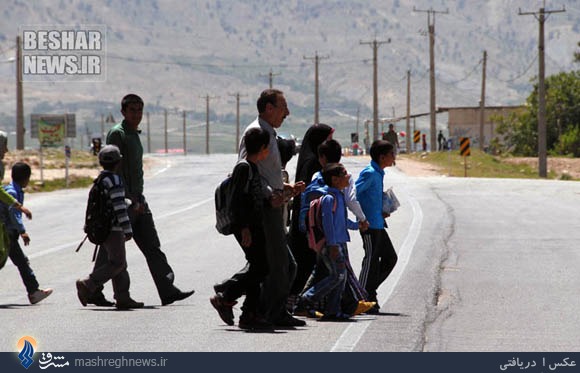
(114, 268)
(146, 238)
(281, 264)
(305, 259)
(22, 263)
(379, 260)
(249, 280)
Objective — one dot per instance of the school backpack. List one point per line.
(314, 229)
(99, 213)
(223, 196)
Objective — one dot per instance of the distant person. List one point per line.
(272, 110)
(125, 136)
(424, 142)
(380, 256)
(392, 137)
(441, 141)
(3, 151)
(248, 226)
(11, 215)
(308, 164)
(115, 267)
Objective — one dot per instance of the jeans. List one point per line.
(21, 261)
(331, 286)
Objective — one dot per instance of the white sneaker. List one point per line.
(39, 295)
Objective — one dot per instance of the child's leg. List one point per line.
(115, 264)
(257, 271)
(22, 263)
(334, 297)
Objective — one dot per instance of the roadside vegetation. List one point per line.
(53, 160)
(480, 164)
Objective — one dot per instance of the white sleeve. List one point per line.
(352, 202)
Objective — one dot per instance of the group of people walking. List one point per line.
(283, 277)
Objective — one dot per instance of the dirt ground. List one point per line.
(560, 166)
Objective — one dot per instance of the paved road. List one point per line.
(484, 265)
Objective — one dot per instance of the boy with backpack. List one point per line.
(12, 219)
(380, 256)
(247, 201)
(115, 268)
(335, 225)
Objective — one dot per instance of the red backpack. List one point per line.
(314, 230)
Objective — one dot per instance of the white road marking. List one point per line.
(354, 332)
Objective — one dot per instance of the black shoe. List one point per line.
(99, 300)
(374, 310)
(337, 317)
(254, 322)
(223, 308)
(289, 321)
(177, 296)
(83, 292)
(219, 288)
(128, 304)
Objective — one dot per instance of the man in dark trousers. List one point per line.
(125, 136)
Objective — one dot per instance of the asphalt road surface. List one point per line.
(484, 265)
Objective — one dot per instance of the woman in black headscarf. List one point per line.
(307, 166)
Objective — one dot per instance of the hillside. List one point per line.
(174, 52)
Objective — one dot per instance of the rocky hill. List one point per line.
(174, 52)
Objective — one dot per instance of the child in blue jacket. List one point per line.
(335, 224)
(380, 256)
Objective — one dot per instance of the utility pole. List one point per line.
(271, 76)
(316, 60)
(148, 134)
(431, 25)
(408, 127)
(184, 136)
(237, 96)
(482, 104)
(207, 98)
(357, 120)
(165, 131)
(19, 97)
(541, 16)
(375, 45)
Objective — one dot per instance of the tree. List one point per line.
(577, 55)
(519, 132)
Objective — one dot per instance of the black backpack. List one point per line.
(223, 202)
(99, 214)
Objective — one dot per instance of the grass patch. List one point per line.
(479, 164)
(58, 184)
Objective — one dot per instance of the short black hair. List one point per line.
(268, 96)
(21, 172)
(254, 139)
(380, 147)
(131, 98)
(330, 170)
(331, 150)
